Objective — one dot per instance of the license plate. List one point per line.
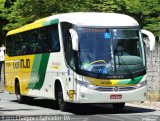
(116, 96)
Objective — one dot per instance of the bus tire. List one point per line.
(63, 106)
(118, 107)
(20, 98)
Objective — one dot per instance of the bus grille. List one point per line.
(129, 88)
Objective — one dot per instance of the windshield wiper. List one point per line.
(123, 64)
(104, 67)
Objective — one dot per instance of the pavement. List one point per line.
(42, 109)
(146, 104)
(1, 90)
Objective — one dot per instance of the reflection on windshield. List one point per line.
(100, 50)
(127, 50)
(126, 42)
(94, 50)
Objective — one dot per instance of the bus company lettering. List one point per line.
(56, 64)
(106, 83)
(8, 64)
(23, 63)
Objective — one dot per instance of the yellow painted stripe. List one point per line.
(25, 28)
(101, 82)
(34, 25)
(40, 20)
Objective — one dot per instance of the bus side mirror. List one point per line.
(74, 37)
(150, 38)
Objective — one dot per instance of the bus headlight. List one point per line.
(142, 84)
(83, 83)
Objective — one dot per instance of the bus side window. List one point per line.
(67, 43)
(25, 45)
(43, 39)
(9, 46)
(34, 45)
(18, 44)
(54, 38)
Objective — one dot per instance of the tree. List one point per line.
(107, 5)
(26, 11)
(2, 23)
(146, 12)
(151, 11)
(21, 12)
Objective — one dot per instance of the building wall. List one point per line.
(153, 73)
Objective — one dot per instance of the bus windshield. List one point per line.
(106, 51)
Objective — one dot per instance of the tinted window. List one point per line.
(41, 40)
(54, 38)
(69, 53)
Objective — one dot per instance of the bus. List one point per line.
(82, 58)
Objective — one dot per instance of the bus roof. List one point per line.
(82, 19)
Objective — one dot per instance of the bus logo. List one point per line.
(116, 89)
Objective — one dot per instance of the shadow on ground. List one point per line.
(87, 109)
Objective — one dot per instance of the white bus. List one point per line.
(78, 58)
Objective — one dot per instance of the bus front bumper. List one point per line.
(86, 95)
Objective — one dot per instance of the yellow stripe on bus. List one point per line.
(28, 27)
(100, 82)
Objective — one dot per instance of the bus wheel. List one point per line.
(59, 97)
(118, 106)
(20, 98)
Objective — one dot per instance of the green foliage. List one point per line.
(21, 12)
(146, 12)
(107, 5)
(26, 11)
(151, 11)
(2, 23)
